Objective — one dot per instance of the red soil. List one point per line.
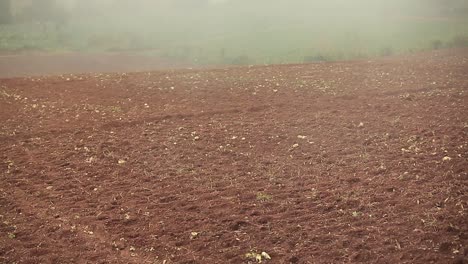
(35, 64)
(321, 163)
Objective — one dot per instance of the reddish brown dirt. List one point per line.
(322, 163)
(36, 64)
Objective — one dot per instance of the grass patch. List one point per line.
(263, 197)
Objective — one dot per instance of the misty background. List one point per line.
(235, 31)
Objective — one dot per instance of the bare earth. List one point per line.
(322, 163)
(36, 64)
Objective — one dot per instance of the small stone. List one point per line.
(194, 235)
(119, 245)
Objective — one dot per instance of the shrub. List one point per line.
(387, 51)
(437, 44)
(459, 41)
(315, 58)
(241, 60)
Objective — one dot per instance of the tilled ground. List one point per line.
(37, 63)
(323, 163)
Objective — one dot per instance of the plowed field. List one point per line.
(362, 161)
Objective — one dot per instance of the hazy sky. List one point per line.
(266, 6)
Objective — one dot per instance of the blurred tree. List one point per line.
(5, 12)
(44, 12)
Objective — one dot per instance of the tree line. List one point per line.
(32, 11)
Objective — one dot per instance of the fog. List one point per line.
(245, 31)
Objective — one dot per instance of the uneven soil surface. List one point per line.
(36, 64)
(321, 163)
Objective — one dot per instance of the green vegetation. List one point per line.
(231, 33)
(264, 197)
(258, 257)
